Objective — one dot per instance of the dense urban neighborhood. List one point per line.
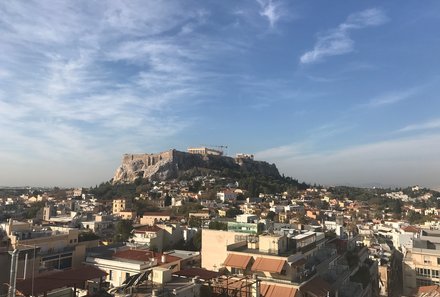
(219, 148)
(212, 231)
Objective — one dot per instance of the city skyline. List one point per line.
(332, 93)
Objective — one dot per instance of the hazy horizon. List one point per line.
(331, 92)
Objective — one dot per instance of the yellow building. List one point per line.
(127, 214)
(214, 242)
(58, 249)
(222, 213)
(120, 204)
(305, 263)
(151, 218)
(421, 263)
(199, 215)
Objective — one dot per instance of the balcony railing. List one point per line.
(322, 258)
(351, 289)
(53, 251)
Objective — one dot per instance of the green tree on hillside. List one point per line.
(215, 225)
(271, 215)
(232, 212)
(123, 230)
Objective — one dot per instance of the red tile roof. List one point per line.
(57, 280)
(233, 284)
(237, 261)
(268, 265)
(157, 214)
(429, 291)
(411, 229)
(144, 229)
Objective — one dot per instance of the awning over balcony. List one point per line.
(237, 261)
(269, 290)
(268, 265)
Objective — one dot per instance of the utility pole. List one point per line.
(13, 276)
(34, 247)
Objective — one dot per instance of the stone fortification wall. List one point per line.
(148, 159)
(142, 165)
(170, 163)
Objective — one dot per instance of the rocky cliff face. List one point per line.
(169, 164)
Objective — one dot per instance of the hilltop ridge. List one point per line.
(172, 163)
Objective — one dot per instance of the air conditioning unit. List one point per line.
(161, 275)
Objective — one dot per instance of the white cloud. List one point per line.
(97, 80)
(428, 125)
(4, 73)
(271, 10)
(145, 18)
(365, 18)
(281, 152)
(395, 97)
(405, 161)
(390, 98)
(337, 41)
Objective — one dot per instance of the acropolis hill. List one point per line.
(168, 165)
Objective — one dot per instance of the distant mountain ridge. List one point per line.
(169, 164)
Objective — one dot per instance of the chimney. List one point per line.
(255, 287)
(10, 227)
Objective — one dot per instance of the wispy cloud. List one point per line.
(428, 125)
(390, 98)
(98, 75)
(393, 97)
(337, 41)
(403, 162)
(323, 79)
(271, 10)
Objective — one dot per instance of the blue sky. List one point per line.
(333, 92)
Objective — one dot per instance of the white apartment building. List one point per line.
(227, 196)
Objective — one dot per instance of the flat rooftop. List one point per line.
(425, 244)
(245, 249)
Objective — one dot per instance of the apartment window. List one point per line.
(427, 260)
(65, 263)
(435, 273)
(110, 275)
(423, 272)
(438, 261)
(423, 282)
(49, 258)
(127, 275)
